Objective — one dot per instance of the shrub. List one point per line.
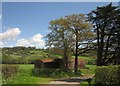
(23, 60)
(9, 70)
(54, 73)
(107, 75)
(81, 64)
(9, 59)
(91, 62)
(87, 68)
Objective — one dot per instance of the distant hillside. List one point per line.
(24, 55)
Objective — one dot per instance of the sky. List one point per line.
(26, 23)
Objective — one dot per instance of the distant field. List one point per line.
(25, 77)
(86, 58)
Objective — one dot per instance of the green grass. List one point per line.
(0, 78)
(84, 83)
(86, 58)
(89, 71)
(25, 77)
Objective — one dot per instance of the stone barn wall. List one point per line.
(55, 63)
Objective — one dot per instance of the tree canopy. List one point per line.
(68, 33)
(106, 21)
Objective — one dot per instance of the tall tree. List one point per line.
(81, 30)
(60, 37)
(106, 20)
(69, 33)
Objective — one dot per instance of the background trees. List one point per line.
(68, 33)
(106, 20)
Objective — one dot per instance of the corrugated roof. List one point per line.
(46, 60)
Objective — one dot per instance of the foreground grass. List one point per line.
(89, 70)
(0, 78)
(25, 76)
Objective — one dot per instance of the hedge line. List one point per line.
(9, 70)
(108, 75)
(54, 73)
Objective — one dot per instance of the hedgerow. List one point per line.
(9, 70)
(107, 75)
(54, 73)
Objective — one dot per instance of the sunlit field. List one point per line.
(25, 76)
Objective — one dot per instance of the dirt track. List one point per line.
(73, 81)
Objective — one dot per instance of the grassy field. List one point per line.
(25, 77)
(0, 78)
(89, 70)
(86, 58)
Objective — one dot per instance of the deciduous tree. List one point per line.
(81, 30)
(60, 37)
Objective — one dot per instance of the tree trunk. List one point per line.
(65, 59)
(98, 49)
(66, 63)
(76, 63)
(76, 54)
(100, 42)
(106, 49)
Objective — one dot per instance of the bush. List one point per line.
(107, 75)
(91, 62)
(54, 73)
(81, 64)
(9, 70)
(7, 59)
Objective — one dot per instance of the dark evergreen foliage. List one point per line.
(106, 22)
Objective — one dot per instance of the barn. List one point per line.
(48, 63)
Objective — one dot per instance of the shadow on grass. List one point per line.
(54, 73)
(70, 80)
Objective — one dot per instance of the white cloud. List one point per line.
(35, 41)
(32, 45)
(37, 38)
(23, 42)
(10, 34)
(1, 44)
